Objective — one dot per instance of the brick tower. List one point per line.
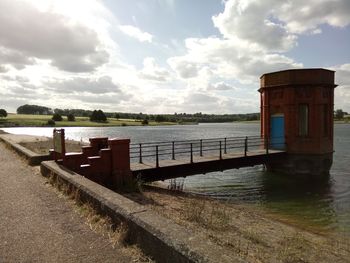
(297, 115)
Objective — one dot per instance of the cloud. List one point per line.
(136, 33)
(249, 21)
(275, 25)
(228, 59)
(3, 69)
(28, 33)
(81, 85)
(305, 16)
(17, 79)
(14, 58)
(342, 92)
(220, 86)
(184, 67)
(152, 71)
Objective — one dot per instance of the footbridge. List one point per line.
(112, 161)
(165, 160)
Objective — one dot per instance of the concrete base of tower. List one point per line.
(303, 164)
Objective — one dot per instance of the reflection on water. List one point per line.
(322, 203)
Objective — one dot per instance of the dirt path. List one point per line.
(38, 226)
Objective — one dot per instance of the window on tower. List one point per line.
(303, 120)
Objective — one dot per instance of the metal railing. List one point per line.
(172, 150)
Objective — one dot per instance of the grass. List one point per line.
(246, 231)
(25, 120)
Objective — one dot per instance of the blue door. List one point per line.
(277, 132)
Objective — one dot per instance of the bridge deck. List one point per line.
(184, 167)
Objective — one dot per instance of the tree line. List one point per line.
(99, 115)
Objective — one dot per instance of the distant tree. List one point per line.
(33, 109)
(139, 116)
(117, 116)
(3, 113)
(57, 117)
(59, 111)
(339, 114)
(98, 116)
(160, 118)
(145, 122)
(50, 122)
(70, 117)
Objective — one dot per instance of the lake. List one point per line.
(323, 206)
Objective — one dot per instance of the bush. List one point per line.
(70, 117)
(145, 122)
(98, 116)
(3, 113)
(51, 123)
(56, 117)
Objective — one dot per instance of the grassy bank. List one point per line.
(26, 120)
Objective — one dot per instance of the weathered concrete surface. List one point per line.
(13, 141)
(37, 226)
(159, 237)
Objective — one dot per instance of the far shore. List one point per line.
(28, 120)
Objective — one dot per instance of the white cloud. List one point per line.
(185, 68)
(228, 59)
(220, 86)
(136, 33)
(342, 92)
(252, 22)
(274, 24)
(152, 71)
(303, 16)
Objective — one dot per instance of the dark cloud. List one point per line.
(27, 33)
(20, 79)
(15, 58)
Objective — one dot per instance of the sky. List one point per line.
(165, 56)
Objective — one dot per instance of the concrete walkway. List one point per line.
(38, 226)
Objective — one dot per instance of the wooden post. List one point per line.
(267, 145)
(191, 146)
(140, 157)
(173, 151)
(59, 145)
(225, 151)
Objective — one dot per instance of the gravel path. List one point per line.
(38, 226)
